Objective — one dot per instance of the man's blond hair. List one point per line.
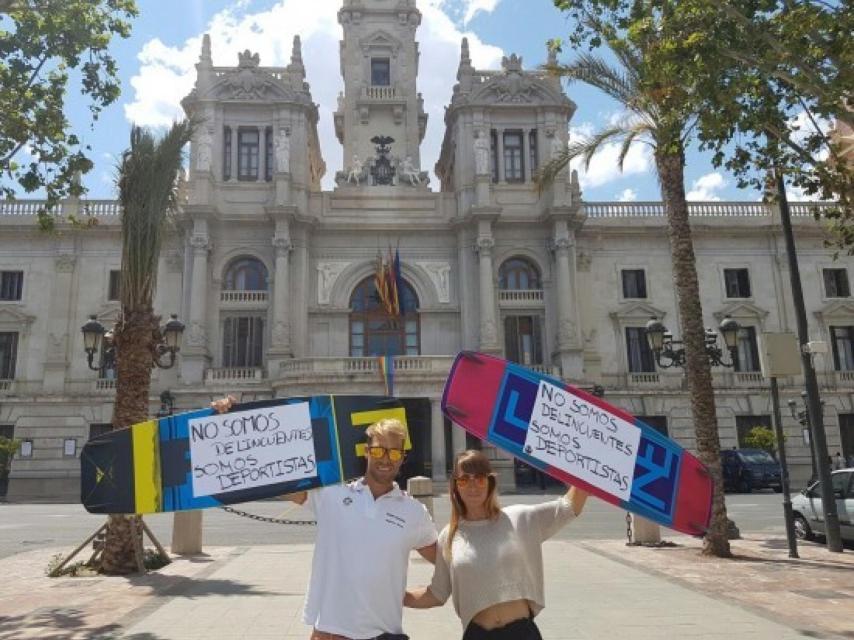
(387, 427)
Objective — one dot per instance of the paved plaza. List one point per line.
(594, 589)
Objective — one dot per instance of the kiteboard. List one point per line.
(577, 438)
(256, 450)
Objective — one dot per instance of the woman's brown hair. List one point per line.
(471, 462)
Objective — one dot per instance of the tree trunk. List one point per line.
(134, 337)
(698, 371)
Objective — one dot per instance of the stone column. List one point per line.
(488, 327)
(437, 440)
(234, 141)
(195, 354)
(458, 439)
(262, 154)
(499, 143)
(281, 296)
(57, 358)
(568, 344)
(526, 155)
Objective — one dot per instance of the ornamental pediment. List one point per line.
(838, 309)
(249, 84)
(642, 312)
(10, 316)
(739, 310)
(380, 40)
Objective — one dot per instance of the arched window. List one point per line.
(518, 274)
(373, 332)
(245, 274)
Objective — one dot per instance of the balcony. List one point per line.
(243, 299)
(520, 298)
(382, 94)
(405, 367)
(105, 384)
(234, 375)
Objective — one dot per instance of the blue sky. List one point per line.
(156, 67)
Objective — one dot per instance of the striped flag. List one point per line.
(387, 371)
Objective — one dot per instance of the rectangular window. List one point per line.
(11, 285)
(493, 142)
(248, 145)
(268, 154)
(226, 153)
(380, 72)
(514, 170)
(737, 283)
(638, 352)
(659, 423)
(843, 347)
(634, 283)
(532, 145)
(8, 354)
(357, 339)
(747, 354)
(114, 288)
(97, 429)
(846, 433)
(243, 342)
(523, 341)
(836, 283)
(743, 425)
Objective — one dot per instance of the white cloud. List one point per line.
(704, 187)
(628, 195)
(462, 11)
(802, 126)
(167, 73)
(604, 167)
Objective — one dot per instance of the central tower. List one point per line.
(379, 63)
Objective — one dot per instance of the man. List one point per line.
(365, 532)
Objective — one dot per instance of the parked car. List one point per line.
(747, 469)
(808, 513)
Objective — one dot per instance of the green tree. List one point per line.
(659, 58)
(8, 448)
(761, 437)
(790, 75)
(147, 182)
(45, 43)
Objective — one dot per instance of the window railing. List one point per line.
(6, 385)
(379, 92)
(403, 365)
(520, 296)
(234, 375)
(105, 384)
(243, 297)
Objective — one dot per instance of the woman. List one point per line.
(490, 559)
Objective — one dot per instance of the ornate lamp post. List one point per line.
(669, 352)
(94, 334)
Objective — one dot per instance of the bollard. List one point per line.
(645, 531)
(421, 488)
(187, 532)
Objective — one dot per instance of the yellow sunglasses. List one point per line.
(480, 479)
(376, 452)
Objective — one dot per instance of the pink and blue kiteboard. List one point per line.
(579, 439)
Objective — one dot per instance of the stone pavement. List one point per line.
(594, 589)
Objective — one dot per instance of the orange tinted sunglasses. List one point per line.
(480, 479)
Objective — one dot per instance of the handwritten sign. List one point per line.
(583, 440)
(254, 448)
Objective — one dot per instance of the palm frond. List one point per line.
(596, 72)
(147, 192)
(585, 148)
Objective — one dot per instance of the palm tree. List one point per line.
(147, 182)
(659, 114)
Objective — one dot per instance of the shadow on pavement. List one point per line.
(60, 623)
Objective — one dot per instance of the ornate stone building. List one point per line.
(275, 277)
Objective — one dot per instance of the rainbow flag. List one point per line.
(387, 372)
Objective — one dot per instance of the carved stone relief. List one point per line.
(327, 274)
(439, 273)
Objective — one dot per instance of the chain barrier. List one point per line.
(255, 516)
(629, 527)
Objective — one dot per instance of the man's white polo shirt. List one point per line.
(358, 574)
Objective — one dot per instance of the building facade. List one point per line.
(274, 277)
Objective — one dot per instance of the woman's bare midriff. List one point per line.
(502, 614)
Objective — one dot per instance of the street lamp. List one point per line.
(169, 342)
(669, 352)
(803, 418)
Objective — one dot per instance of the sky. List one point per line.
(157, 69)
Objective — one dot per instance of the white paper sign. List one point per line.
(236, 451)
(583, 440)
